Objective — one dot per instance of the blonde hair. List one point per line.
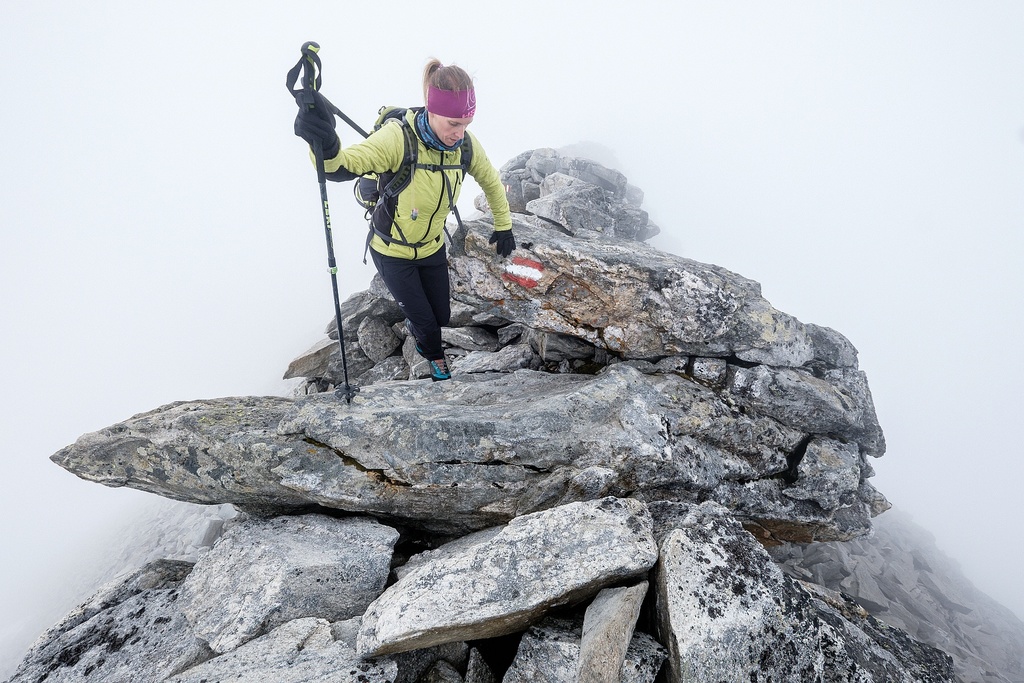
(442, 77)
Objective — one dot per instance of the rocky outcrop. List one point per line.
(131, 630)
(587, 499)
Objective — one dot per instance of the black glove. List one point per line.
(317, 123)
(506, 242)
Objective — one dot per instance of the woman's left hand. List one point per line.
(506, 243)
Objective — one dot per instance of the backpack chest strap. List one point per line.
(440, 167)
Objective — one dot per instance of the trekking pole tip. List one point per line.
(347, 392)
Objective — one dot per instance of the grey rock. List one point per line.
(463, 315)
(354, 364)
(710, 371)
(479, 470)
(634, 195)
(581, 197)
(376, 339)
(530, 192)
(514, 182)
(265, 572)
(631, 222)
(442, 672)
(389, 369)
(725, 610)
(557, 347)
(314, 361)
(512, 333)
(346, 630)
(831, 349)
(542, 162)
(576, 209)
(550, 651)
(707, 393)
(419, 367)
(556, 182)
(883, 653)
(829, 474)
(837, 404)
(414, 664)
(508, 359)
(505, 582)
(375, 301)
(518, 162)
(130, 630)
(607, 632)
(411, 665)
(300, 651)
(488, 318)
(608, 179)
(477, 670)
(673, 364)
(471, 338)
(644, 366)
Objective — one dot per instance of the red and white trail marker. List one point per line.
(523, 271)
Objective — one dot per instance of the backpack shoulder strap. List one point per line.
(467, 154)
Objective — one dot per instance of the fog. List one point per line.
(162, 239)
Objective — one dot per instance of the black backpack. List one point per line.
(378, 194)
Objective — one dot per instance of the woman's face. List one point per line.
(448, 130)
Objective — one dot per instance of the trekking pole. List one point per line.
(310, 63)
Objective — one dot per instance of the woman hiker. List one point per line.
(407, 238)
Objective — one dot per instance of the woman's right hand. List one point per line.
(316, 123)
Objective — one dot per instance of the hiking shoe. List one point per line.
(439, 370)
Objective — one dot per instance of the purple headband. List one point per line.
(455, 104)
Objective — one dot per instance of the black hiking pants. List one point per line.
(421, 288)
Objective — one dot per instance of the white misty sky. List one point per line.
(162, 240)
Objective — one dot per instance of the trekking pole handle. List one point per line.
(311, 67)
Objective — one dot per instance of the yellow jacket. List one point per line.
(423, 206)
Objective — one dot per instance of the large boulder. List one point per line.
(265, 572)
(725, 610)
(501, 581)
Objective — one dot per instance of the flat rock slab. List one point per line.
(608, 631)
(453, 457)
(498, 583)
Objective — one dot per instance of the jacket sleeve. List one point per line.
(379, 153)
(487, 176)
